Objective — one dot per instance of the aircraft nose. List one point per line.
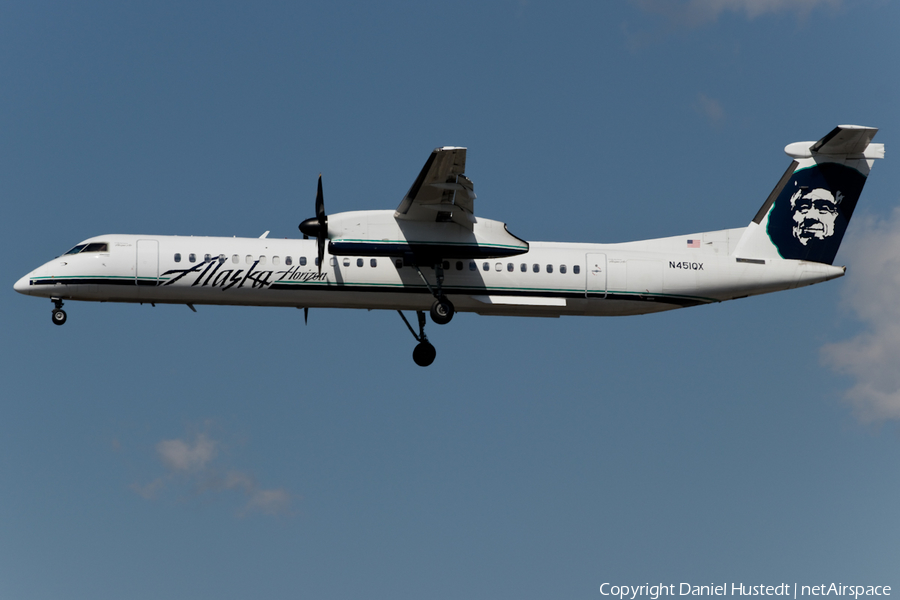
(23, 284)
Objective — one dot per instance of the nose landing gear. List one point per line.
(59, 315)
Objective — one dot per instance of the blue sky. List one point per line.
(233, 453)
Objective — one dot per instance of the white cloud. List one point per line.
(872, 290)
(270, 502)
(238, 480)
(698, 12)
(150, 490)
(192, 465)
(178, 455)
(710, 108)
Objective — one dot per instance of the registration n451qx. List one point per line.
(433, 254)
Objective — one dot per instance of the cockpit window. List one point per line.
(93, 247)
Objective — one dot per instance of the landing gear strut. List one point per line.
(442, 310)
(424, 352)
(59, 315)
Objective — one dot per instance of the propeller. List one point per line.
(317, 226)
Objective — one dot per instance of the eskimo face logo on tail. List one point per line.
(814, 214)
(810, 215)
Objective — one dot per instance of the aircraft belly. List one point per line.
(735, 278)
(66, 290)
(335, 296)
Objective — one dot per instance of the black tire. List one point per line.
(424, 354)
(59, 316)
(442, 311)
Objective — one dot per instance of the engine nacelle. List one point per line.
(380, 233)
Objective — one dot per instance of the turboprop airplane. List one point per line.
(433, 254)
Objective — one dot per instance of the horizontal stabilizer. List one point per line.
(843, 140)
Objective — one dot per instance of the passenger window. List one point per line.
(446, 265)
(288, 260)
(333, 262)
(523, 267)
(192, 257)
(221, 259)
(398, 262)
(486, 266)
(510, 267)
(177, 257)
(346, 262)
(549, 268)
(472, 266)
(303, 261)
(576, 269)
(206, 257)
(373, 262)
(498, 266)
(459, 265)
(262, 260)
(248, 259)
(359, 262)
(562, 268)
(235, 258)
(276, 260)
(536, 268)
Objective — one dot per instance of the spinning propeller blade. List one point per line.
(317, 226)
(320, 202)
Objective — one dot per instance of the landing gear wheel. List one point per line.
(424, 354)
(59, 316)
(442, 311)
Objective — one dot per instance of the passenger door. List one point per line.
(595, 276)
(146, 267)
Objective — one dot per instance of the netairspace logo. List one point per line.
(654, 592)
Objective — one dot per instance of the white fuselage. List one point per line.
(550, 279)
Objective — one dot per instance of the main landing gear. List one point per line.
(59, 315)
(442, 310)
(424, 352)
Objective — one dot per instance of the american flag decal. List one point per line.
(693, 243)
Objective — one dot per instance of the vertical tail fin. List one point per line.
(806, 215)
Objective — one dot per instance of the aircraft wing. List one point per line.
(441, 193)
